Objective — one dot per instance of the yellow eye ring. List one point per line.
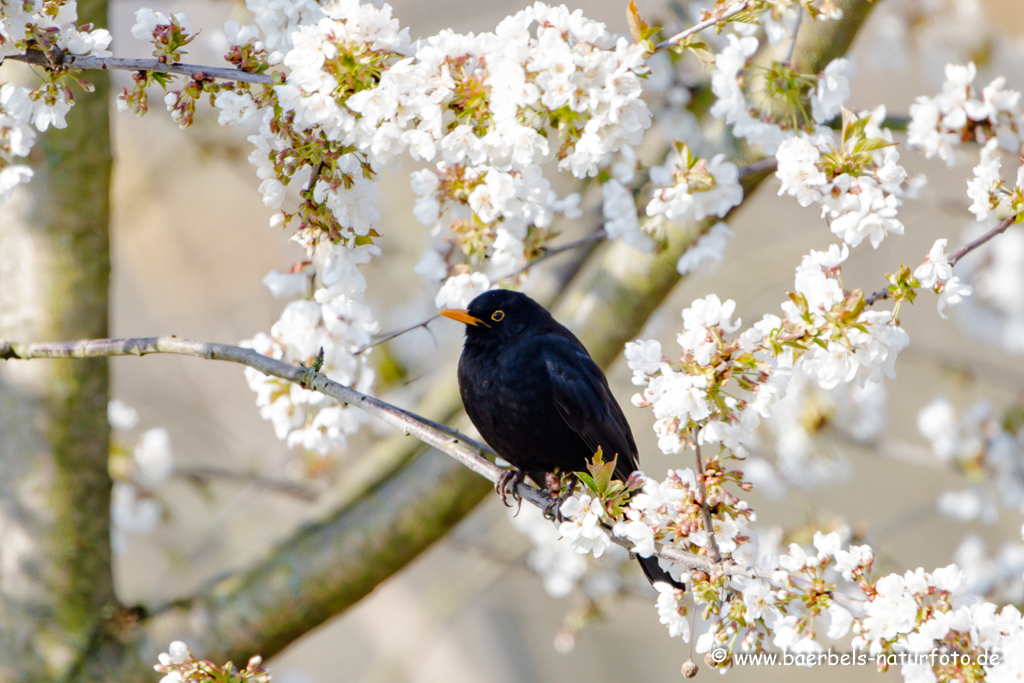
(497, 316)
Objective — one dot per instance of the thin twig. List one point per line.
(971, 246)
(705, 511)
(445, 439)
(796, 31)
(698, 27)
(548, 252)
(314, 176)
(87, 62)
(286, 487)
(964, 250)
(388, 336)
(875, 297)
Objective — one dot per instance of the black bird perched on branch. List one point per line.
(537, 397)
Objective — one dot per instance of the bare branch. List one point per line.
(697, 28)
(758, 168)
(201, 473)
(971, 246)
(462, 448)
(388, 336)
(89, 63)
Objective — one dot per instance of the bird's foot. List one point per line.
(508, 482)
(553, 510)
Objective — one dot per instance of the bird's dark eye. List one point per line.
(497, 316)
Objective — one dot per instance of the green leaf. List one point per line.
(588, 481)
(638, 28)
(871, 144)
(853, 129)
(700, 51)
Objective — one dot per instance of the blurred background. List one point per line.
(192, 242)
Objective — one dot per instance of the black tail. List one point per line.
(654, 572)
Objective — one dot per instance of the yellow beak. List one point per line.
(462, 316)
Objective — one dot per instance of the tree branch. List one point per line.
(709, 526)
(461, 448)
(971, 246)
(700, 26)
(548, 252)
(200, 473)
(964, 250)
(90, 63)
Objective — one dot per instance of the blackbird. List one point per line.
(537, 397)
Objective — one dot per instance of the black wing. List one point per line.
(586, 403)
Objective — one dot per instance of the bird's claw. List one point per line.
(509, 481)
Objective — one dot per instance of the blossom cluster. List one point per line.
(789, 602)
(856, 178)
(916, 611)
(179, 665)
(940, 124)
(992, 198)
(719, 389)
(484, 111)
(919, 611)
(644, 513)
(308, 133)
(334, 322)
(661, 512)
(545, 85)
(784, 601)
(45, 27)
(669, 511)
(687, 188)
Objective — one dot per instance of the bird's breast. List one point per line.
(508, 398)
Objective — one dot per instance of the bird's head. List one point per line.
(500, 314)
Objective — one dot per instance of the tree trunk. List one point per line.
(56, 584)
